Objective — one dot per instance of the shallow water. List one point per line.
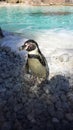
(51, 26)
(36, 18)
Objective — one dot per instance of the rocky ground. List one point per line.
(25, 106)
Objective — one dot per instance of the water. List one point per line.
(50, 25)
(36, 18)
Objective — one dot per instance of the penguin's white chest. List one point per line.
(37, 68)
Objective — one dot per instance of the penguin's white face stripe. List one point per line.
(35, 52)
(26, 46)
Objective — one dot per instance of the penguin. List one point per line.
(36, 61)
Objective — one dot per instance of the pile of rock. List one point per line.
(24, 106)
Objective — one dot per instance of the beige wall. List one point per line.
(46, 1)
(40, 1)
(57, 1)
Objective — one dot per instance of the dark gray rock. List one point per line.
(7, 125)
(69, 116)
(70, 97)
(55, 120)
(59, 114)
(1, 33)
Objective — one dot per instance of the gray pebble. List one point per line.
(7, 126)
(55, 120)
(70, 97)
(69, 116)
(46, 89)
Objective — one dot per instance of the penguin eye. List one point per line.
(32, 47)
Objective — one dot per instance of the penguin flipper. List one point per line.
(27, 68)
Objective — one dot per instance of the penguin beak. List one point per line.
(24, 47)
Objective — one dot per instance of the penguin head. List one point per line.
(30, 46)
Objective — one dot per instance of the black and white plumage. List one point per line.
(36, 61)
